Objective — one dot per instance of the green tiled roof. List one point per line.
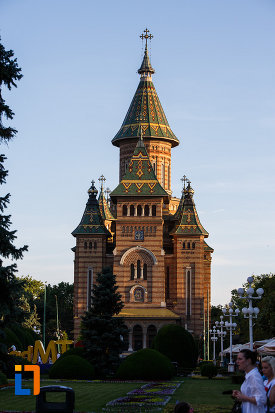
(92, 222)
(145, 111)
(187, 220)
(104, 208)
(140, 178)
(207, 248)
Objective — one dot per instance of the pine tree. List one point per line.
(101, 332)
(11, 289)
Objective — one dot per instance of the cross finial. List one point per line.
(102, 179)
(146, 36)
(184, 180)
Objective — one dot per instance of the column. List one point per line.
(144, 330)
(135, 213)
(130, 348)
(142, 210)
(150, 210)
(128, 210)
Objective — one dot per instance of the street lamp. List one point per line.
(214, 338)
(250, 312)
(230, 326)
(221, 333)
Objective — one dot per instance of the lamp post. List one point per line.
(214, 338)
(221, 333)
(250, 312)
(230, 326)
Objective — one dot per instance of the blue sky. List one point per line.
(215, 66)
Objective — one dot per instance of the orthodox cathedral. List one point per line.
(154, 242)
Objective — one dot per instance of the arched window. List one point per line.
(137, 338)
(146, 210)
(95, 245)
(85, 245)
(145, 271)
(167, 282)
(124, 210)
(138, 269)
(162, 175)
(123, 228)
(188, 245)
(132, 271)
(151, 334)
(132, 210)
(154, 210)
(90, 245)
(193, 245)
(139, 210)
(183, 245)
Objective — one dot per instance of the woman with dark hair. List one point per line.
(252, 394)
(268, 366)
(183, 407)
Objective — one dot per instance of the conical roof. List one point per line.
(187, 219)
(104, 207)
(140, 178)
(92, 222)
(145, 111)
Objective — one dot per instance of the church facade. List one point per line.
(154, 242)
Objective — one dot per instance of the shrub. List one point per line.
(146, 364)
(208, 370)
(3, 379)
(12, 339)
(75, 351)
(72, 367)
(8, 362)
(177, 344)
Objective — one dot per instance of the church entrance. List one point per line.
(151, 334)
(137, 337)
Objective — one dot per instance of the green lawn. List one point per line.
(204, 395)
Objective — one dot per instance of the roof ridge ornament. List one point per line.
(146, 36)
(146, 69)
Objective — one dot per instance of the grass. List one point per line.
(90, 397)
(204, 395)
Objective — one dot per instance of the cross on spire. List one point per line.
(146, 36)
(102, 179)
(184, 180)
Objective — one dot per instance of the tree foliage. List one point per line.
(10, 287)
(9, 74)
(101, 332)
(264, 324)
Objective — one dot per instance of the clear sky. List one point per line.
(215, 77)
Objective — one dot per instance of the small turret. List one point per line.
(186, 216)
(91, 222)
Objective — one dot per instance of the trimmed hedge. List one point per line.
(8, 362)
(146, 364)
(3, 379)
(75, 351)
(72, 367)
(208, 369)
(177, 344)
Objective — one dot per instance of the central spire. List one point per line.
(145, 110)
(146, 69)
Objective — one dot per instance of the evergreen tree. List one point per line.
(10, 287)
(101, 332)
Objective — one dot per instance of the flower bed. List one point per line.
(151, 394)
(161, 389)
